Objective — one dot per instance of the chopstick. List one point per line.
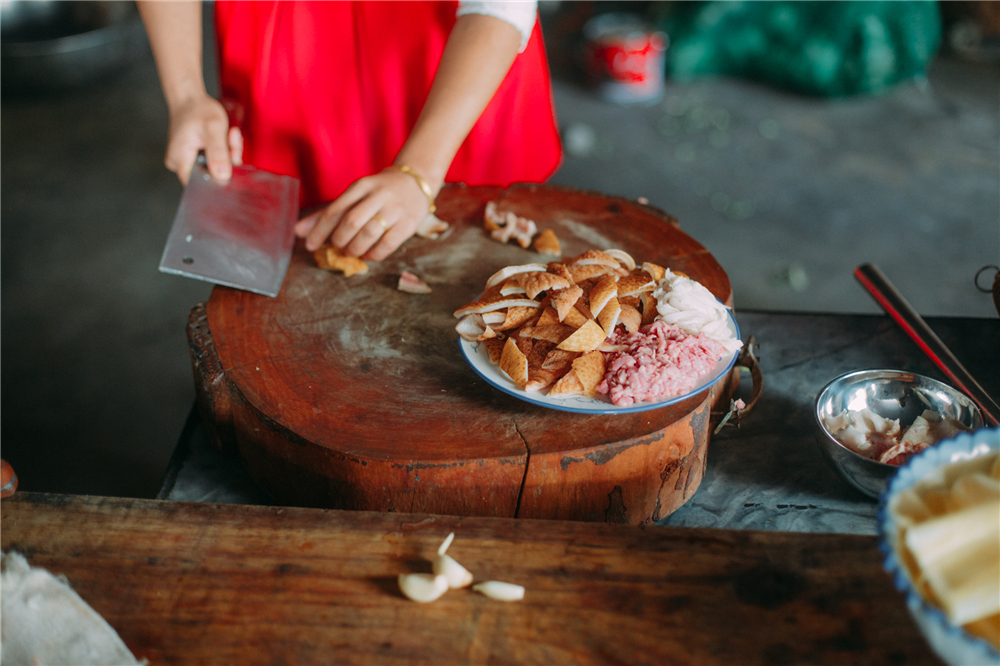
(899, 309)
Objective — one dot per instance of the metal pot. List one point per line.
(49, 46)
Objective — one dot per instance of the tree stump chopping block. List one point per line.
(344, 392)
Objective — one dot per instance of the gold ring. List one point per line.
(378, 218)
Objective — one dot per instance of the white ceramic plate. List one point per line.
(476, 356)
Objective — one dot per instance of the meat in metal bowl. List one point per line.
(890, 394)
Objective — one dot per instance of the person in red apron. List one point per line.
(373, 105)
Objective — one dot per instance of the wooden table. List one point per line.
(201, 582)
(193, 584)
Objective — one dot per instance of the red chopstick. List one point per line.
(899, 309)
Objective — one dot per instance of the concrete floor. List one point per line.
(789, 193)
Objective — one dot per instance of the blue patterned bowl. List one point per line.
(953, 644)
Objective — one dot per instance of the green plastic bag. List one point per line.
(818, 48)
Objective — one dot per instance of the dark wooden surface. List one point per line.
(230, 584)
(347, 393)
(766, 474)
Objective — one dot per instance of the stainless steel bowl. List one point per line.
(892, 394)
(53, 46)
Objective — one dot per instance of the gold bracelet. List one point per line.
(424, 186)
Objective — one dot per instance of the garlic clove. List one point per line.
(495, 589)
(457, 575)
(422, 587)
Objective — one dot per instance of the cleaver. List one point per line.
(239, 234)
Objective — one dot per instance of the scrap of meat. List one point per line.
(333, 259)
(411, 284)
(432, 227)
(507, 225)
(548, 243)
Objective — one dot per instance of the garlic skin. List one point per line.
(457, 575)
(495, 589)
(422, 587)
(443, 548)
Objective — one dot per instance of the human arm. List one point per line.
(197, 120)
(476, 58)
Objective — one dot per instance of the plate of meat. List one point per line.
(598, 334)
(669, 381)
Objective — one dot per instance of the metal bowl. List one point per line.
(892, 394)
(52, 46)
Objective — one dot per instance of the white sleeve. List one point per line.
(519, 13)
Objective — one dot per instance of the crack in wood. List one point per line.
(524, 475)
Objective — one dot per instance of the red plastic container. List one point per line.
(625, 58)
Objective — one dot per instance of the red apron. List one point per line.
(329, 92)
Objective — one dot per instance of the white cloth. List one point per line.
(519, 13)
(43, 621)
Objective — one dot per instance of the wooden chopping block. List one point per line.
(347, 393)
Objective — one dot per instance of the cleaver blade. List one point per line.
(239, 234)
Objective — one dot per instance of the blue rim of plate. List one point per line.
(495, 377)
(911, 473)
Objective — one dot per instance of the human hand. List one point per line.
(201, 124)
(372, 218)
